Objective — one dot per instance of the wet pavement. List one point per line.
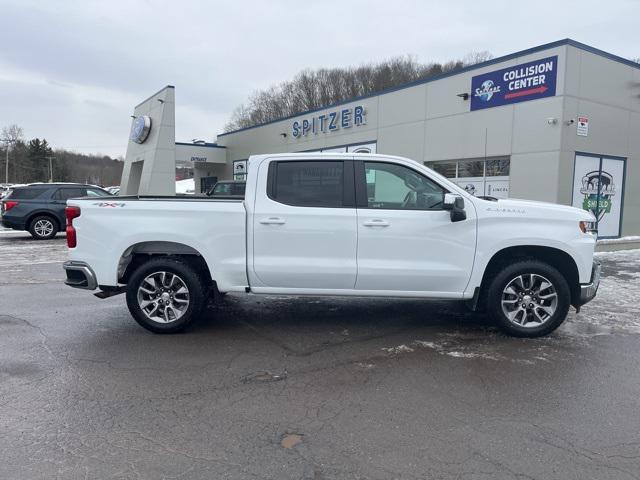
(308, 388)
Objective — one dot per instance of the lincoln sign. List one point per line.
(527, 81)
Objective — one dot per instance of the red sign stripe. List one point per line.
(524, 93)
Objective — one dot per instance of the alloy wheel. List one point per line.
(163, 297)
(529, 300)
(43, 227)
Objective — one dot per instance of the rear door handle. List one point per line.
(272, 221)
(376, 222)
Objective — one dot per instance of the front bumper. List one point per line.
(80, 275)
(588, 290)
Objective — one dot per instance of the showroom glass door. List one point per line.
(598, 187)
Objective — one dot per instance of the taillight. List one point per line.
(8, 205)
(70, 213)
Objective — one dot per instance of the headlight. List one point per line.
(583, 226)
(587, 227)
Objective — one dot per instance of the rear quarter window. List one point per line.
(94, 192)
(26, 193)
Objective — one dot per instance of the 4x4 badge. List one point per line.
(110, 204)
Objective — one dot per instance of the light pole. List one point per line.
(6, 165)
(51, 168)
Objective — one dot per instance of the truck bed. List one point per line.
(111, 228)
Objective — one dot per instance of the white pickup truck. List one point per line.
(336, 224)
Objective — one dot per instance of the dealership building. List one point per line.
(558, 122)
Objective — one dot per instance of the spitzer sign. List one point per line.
(527, 81)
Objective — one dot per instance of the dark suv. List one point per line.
(228, 189)
(39, 208)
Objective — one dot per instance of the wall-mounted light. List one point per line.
(552, 121)
(133, 116)
(569, 122)
(283, 135)
(464, 96)
(160, 100)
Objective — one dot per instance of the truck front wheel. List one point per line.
(165, 295)
(528, 299)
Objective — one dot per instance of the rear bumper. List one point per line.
(8, 223)
(80, 275)
(588, 290)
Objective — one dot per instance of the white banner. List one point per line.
(598, 184)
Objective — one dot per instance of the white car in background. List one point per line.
(5, 188)
(186, 187)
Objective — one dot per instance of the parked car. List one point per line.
(39, 207)
(185, 187)
(115, 190)
(4, 190)
(339, 224)
(228, 189)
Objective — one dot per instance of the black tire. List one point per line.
(196, 295)
(526, 268)
(43, 227)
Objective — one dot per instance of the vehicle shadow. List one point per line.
(301, 325)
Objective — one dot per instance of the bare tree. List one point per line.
(473, 58)
(311, 89)
(10, 136)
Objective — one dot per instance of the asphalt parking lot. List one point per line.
(306, 388)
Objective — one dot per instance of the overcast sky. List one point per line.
(72, 71)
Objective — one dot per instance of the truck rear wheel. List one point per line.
(165, 295)
(528, 299)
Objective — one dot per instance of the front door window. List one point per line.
(392, 186)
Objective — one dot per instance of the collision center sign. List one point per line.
(527, 81)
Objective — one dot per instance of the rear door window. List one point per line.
(307, 183)
(65, 193)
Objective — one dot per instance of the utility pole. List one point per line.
(51, 169)
(6, 165)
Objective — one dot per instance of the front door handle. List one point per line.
(376, 222)
(272, 221)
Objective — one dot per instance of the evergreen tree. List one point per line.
(39, 153)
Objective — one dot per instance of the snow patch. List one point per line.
(398, 349)
(457, 354)
(609, 241)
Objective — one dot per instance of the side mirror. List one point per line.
(455, 204)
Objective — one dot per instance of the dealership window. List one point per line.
(480, 177)
(307, 184)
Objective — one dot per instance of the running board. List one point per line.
(109, 292)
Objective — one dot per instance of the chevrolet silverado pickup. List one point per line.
(336, 224)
